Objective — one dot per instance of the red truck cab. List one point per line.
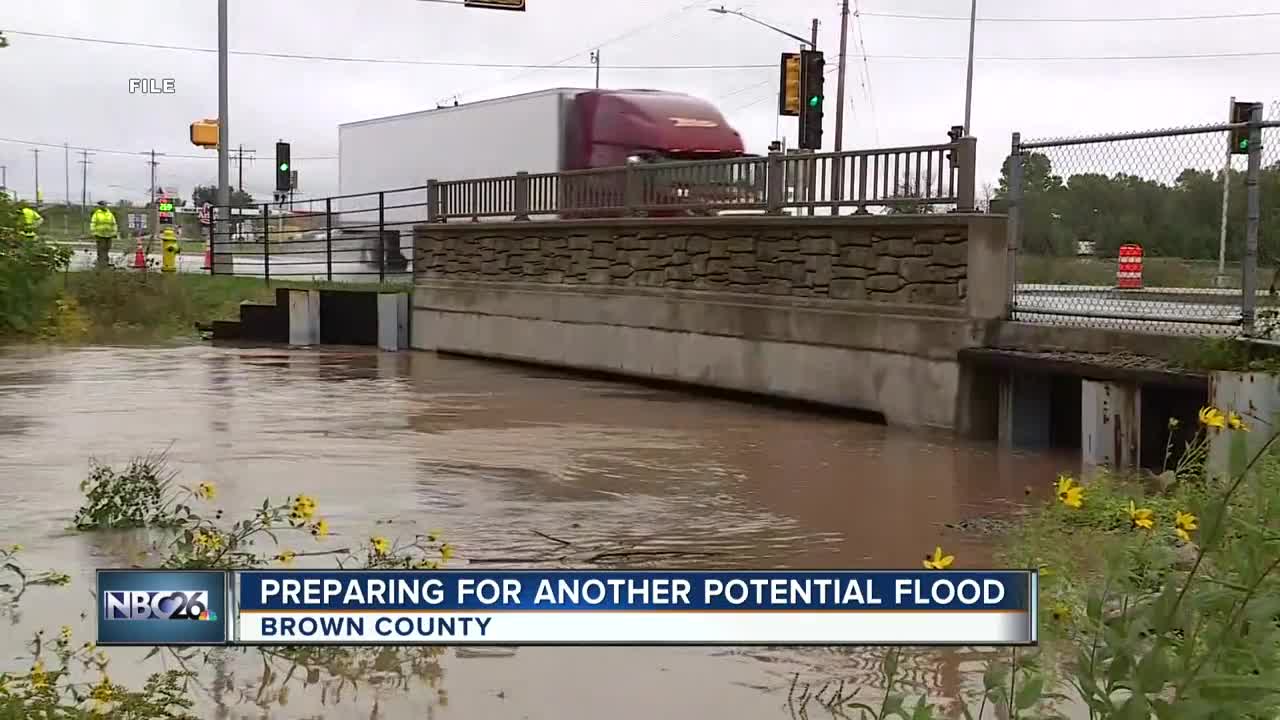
(609, 128)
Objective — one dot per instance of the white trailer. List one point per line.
(482, 139)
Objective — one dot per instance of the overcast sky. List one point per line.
(908, 89)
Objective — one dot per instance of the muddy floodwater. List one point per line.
(492, 455)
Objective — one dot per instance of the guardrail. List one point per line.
(902, 178)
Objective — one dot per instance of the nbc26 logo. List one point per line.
(157, 605)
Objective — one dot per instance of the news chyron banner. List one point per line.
(463, 607)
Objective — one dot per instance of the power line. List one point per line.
(866, 72)
(744, 66)
(1171, 18)
(594, 46)
(36, 143)
(382, 61)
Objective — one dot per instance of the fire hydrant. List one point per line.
(171, 249)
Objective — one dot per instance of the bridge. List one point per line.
(866, 280)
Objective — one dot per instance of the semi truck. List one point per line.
(548, 131)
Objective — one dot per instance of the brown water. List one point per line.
(490, 454)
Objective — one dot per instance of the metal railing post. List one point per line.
(433, 200)
(213, 249)
(1249, 283)
(522, 195)
(775, 187)
(328, 238)
(966, 155)
(863, 161)
(1013, 227)
(266, 243)
(382, 238)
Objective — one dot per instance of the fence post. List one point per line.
(382, 238)
(775, 184)
(266, 243)
(1249, 283)
(433, 201)
(966, 155)
(328, 238)
(1013, 227)
(631, 189)
(522, 195)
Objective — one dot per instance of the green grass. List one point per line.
(116, 306)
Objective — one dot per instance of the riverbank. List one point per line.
(120, 306)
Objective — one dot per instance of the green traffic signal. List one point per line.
(1244, 144)
(815, 101)
(284, 167)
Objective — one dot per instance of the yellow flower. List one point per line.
(15, 548)
(208, 541)
(102, 693)
(1060, 613)
(1212, 417)
(1173, 423)
(446, 552)
(64, 635)
(1141, 518)
(1235, 422)
(938, 561)
(206, 491)
(38, 677)
(1069, 493)
(434, 535)
(320, 528)
(380, 546)
(286, 558)
(1183, 524)
(304, 507)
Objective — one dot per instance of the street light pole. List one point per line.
(811, 43)
(968, 88)
(224, 137)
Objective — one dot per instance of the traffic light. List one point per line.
(283, 166)
(1241, 113)
(789, 99)
(204, 133)
(812, 75)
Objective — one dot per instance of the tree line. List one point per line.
(1182, 219)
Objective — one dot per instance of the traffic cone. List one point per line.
(139, 257)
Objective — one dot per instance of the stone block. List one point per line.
(951, 254)
(887, 264)
(742, 260)
(859, 256)
(621, 271)
(679, 272)
(914, 270)
(698, 244)
(818, 246)
(598, 277)
(603, 249)
(698, 263)
(718, 267)
(848, 289)
(740, 243)
(746, 277)
(901, 246)
(884, 283)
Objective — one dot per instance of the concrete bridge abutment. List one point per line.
(859, 312)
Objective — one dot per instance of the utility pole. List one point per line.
(152, 203)
(36, 153)
(844, 47)
(239, 160)
(4, 176)
(968, 85)
(1226, 201)
(66, 189)
(84, 179)
(595, 60)
(224, 135)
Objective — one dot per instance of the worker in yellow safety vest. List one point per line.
(102, 225)
(31, 221)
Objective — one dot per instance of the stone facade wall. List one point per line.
(860, 258)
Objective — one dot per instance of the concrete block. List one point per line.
(1110, 425)
(393, 321)
(1255, 397)
(304, 317)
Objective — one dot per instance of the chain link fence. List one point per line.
(1128, 231)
